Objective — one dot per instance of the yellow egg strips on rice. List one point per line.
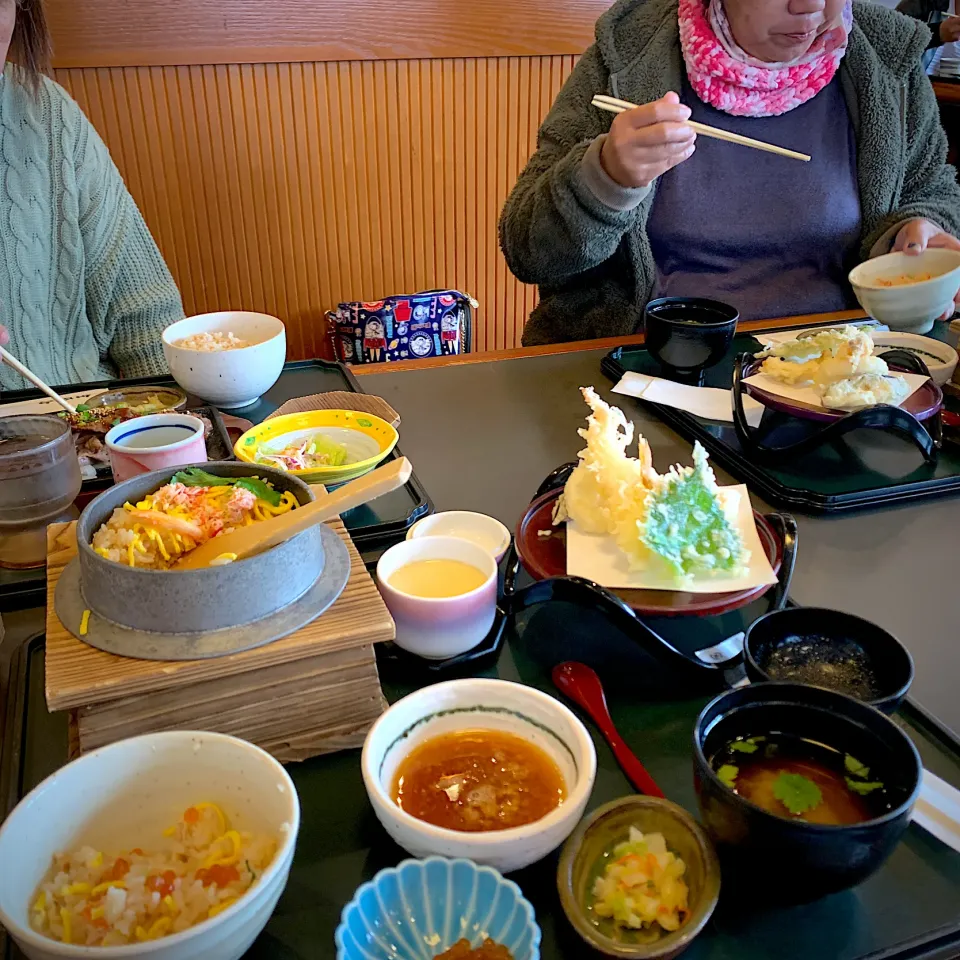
(202, 868)
(158, 530)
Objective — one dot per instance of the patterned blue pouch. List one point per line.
(436, 323)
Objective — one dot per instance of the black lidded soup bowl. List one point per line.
(688, 334)
(835, 635)
(773, 859)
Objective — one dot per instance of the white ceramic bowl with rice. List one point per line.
(479, 704)
(229, 359)
(908, 293)
(124, 796)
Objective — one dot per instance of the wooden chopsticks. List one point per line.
(613, 105)
(11, 361)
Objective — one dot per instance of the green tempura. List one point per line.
(686, 523)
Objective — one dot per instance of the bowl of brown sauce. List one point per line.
(497, 772)
(803, 790)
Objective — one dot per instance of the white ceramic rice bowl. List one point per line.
(480, 704)
(228, 378)
(913, 307)
(126, 794)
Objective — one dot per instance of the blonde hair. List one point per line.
(30, 45)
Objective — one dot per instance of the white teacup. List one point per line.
(151, 443)
(441, 627)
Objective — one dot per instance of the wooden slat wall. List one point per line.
(120, 33)
(287, 187)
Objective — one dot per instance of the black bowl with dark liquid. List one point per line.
(768, 858)
(686, 335)
(827, 648)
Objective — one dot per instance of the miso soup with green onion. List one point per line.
(800, 779)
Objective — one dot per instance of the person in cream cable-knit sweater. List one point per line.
(84, 291)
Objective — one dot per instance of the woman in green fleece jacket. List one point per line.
(84, 291)
(608, 215)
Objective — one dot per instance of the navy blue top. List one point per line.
(769, 235)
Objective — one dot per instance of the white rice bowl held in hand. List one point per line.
(228, 358)
(107, 817)
(908, 293)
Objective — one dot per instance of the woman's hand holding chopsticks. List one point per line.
(648, 141)
(949, 30)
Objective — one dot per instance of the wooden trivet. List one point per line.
(77, 675)
(340, 400)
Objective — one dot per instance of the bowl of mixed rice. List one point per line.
(228, 359)
(131, 536)
(172, 845)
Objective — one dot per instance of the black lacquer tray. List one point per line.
(861, 468)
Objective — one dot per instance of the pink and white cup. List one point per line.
(438, 628)
(154, 443)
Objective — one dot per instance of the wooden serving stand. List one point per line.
(313, 692)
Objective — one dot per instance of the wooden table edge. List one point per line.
(947, 91)
(608, 343)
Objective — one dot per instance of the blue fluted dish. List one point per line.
(421, 908)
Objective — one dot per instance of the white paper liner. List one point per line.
(710, 403)
(810, 397)
(598, 558)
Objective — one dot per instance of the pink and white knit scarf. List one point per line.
(727, 78)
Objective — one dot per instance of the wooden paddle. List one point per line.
(268, 533)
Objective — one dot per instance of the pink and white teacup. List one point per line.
(440, 627)
(155, 442)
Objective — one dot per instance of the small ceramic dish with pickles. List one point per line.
(639, 879)
(319, 446)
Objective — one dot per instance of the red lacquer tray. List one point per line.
(545, 557)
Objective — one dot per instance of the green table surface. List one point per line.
(482, 437)
(910, 908)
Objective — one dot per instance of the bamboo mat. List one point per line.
(340, 400)
(78, 675)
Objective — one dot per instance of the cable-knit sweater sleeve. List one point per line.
(131, 296)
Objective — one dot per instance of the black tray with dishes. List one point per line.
(864, 468)
(218, 444)
(373, 527)
(907, 911)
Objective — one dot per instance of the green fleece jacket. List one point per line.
(570, 229)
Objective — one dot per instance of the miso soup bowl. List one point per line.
(773, 859)
(440, 627)
(477, 704)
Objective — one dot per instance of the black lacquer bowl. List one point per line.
(686, 335)
(819, 642)
(771, 859)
